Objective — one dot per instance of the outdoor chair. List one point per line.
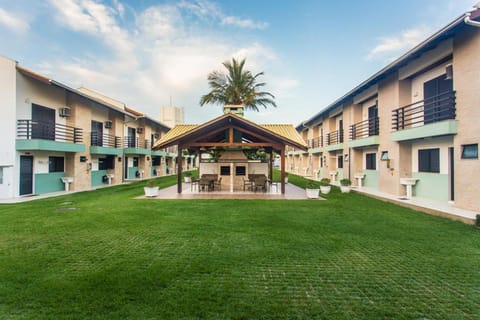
(260, 184)
(217, 184)
(247, 184)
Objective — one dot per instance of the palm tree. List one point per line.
(237, 87)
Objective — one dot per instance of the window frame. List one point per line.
(465, 155)
(369, 162)
(431, 166)
(54, 164)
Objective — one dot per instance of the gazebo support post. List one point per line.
(270, 167)
(282, 168)
(179, 170)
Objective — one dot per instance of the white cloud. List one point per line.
(395, 45)
(243, 23)
(14, 23)
(154, 58)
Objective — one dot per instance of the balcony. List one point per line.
(315, 144)
(335, 140)
(364, 133)
(48, 136)
(434, 116)
(105, 144)
(134, 145)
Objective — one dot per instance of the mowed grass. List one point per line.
(350, 257)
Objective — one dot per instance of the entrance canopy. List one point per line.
(232, 131)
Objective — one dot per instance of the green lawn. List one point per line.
(350, 257)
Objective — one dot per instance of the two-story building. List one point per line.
(58, 138)
(415, 122)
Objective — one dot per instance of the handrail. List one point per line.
(135, 142)
(45, 130)
(315, 142)
(105, 140)
(433, 109)
(335, 137)
(364, 129)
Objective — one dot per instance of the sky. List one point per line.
(150, 54)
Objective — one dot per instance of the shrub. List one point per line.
(151, 184)
(345, 182)
(325, 182)
(312, 185)
(187, 174)
(478, 220)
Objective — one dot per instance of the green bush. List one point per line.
(345, 182)
(151, 184)
(312, 185)
(478, 220)
(325, 182)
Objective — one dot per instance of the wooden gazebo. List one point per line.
(231, 131)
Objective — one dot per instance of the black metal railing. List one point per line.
(335, 137)
(98, 139)
(315, 142)
(434, 109)
(44, 130)
(134, 142)
(364, 129)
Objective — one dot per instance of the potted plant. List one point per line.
(151, 189)
(313, 189)
(187, 176)
(345, 185)
(325, 185)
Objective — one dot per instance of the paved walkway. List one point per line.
(438, 208)
(291, 193)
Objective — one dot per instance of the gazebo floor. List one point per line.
(291, 193)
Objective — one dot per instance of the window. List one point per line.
(135, 161)
(429, 160)
(106, 163)
(470, 151)
(55, 164)
(225, 170)
(371, 161)
(340, 162)
(156, 161)
(240, 171)
(384, 156)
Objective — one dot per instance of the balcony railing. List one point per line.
(315, 142)
(434, 109)
(364, 129)
(44, 130)
(98, 139)
(335, 137)
(134, 142)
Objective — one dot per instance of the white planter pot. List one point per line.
(345, 189)
(325, 189)
(286, 179)
(312, 193)
(150, 191)
(187, 179)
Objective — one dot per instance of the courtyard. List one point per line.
(105, 255)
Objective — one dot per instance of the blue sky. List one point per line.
(147, 52)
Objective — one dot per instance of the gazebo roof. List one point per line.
(279, 133)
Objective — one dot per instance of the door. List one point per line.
(125, 167)
(372, 120)
(132, 137)
(97, 133)
(26, 175)
(340, 131)
(43, 123)
(436, 101)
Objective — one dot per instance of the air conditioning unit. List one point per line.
(65, 112)
(139, 130)
(108, 124)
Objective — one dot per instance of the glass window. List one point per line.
(371, 161)
(225, 170)
(429, 160)
(340, 162)
(384, 155)
(240, 171)
(55, 164)
(470, 151)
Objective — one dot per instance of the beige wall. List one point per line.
(466, 76)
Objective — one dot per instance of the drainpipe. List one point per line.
(469, 21)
